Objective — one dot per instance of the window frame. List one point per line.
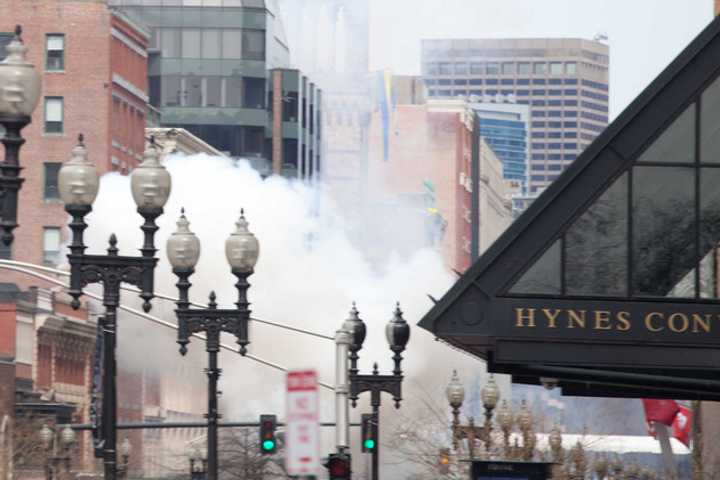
(48, 36)
(62, 116)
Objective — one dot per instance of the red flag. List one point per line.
(661, 411)
(682, 425)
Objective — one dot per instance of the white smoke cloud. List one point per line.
(308, 274)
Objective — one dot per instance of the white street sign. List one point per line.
(302, 434)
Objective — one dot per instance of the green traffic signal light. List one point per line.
(369, 444)
(268, 445)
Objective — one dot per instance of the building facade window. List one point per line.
(5, 39)
(51, 246)
(253, 45)
(523, 68)
(540, 68)
(571, 68)
(445, 68)
(54, 114)
(493, 68)
(508, 68)
(5, 251)
(461, 69)
(54, 52)
(50, 192)
(477, 68)
(556, 68)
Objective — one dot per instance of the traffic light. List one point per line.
(338, 465)
(369, 433)
(268, 442)
(444, 461)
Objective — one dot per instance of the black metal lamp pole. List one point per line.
(20, 87)
(183, 249)
(78, 184)
(397, 332)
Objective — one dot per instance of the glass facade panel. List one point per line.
(254, 93)
(170, 91)
(253, 44)
(596, 245)
(477, 68)
(231, 43)
(540, 68)
(170, 42)
(677, 143)
(213, 92)
(461, 69)
(556, 68)
(234, 91)
(508, 68)
(544, 275)
(710, 124)
(493, 68)
(190, 43)
(709, 231)
(211, 43)
(663, 207)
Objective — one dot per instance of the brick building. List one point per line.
(422, 187)
(93, 62)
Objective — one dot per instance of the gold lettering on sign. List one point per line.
(623, 319)
(649, 322)
(602, 320)
(551, 316)
(683, 325)
(521, 317)
(574, 318)
(703, 323)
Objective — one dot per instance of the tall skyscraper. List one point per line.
(563, 81)
(504, 126)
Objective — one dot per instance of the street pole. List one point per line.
(213, 372)
(109, 398)
(342, 389)
(376, 450)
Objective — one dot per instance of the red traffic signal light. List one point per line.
(338, 465)
(268, 442)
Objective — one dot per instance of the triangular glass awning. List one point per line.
(616, 266)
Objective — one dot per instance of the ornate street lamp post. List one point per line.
(490, 394)
(78, 185)
(242, 250)
(19, 94)
(397, 332)
(59, 444)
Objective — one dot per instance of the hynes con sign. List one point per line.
(608, 320)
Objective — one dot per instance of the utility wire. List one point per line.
(6, 264)
(163, 296)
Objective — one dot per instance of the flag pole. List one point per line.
(661, 430)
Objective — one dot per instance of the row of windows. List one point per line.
(519, 93)
(209, 43)
(554, 156)
(541, 134)
(210, 91)
(54, 50)
(553, 167)
(554, 103)
(554, 113)
(600, 86)
(591, 126)
(594, 116)
(596, 96)
(543, 178)
(595, 106)
(502, 81)
(540, 124)
(501, 68)
(554, 146)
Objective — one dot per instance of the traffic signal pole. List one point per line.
(342, 390)
(376, 428)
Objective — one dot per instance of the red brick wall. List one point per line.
(44, 366)
(86, 87)
(8, 322)
(69, 370)
(127, 109)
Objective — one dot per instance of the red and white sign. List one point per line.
(302, 433)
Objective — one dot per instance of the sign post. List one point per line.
(302, 436)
